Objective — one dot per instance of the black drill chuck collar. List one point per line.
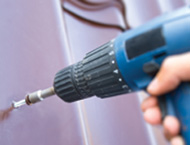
(97, 74)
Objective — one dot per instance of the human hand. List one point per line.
(174, 70)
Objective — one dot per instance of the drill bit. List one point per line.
(34, 97)
(18, 104)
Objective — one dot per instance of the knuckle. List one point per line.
(167, 63)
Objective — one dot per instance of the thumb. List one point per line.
(173, 70)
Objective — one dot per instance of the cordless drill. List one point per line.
(127, 64)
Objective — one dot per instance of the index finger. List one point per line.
(174, 70)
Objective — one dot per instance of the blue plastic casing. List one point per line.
(176, 32)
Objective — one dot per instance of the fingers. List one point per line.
(171, 124)
(148, 103)
(178, 140)
(173, 70)
(171, 127)
(152, 115)
(151, 110)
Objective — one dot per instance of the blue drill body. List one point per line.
(138, 69)
(176, 32)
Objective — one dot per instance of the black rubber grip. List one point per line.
(97, 74)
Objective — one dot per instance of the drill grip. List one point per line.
(177, 103)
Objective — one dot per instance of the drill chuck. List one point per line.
(39, 95)
(97, 74)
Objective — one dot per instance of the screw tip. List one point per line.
(18, 104)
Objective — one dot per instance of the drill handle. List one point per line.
(177, 103)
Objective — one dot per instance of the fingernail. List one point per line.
(153, 85)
